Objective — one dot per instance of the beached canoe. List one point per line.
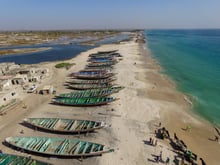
(106, 55)
(102, 70)
(94, 101)
(102, 61)
(109, 67)
(59, 147)
(89, 86)
(8, 159)
(91, 93)
(99, 81)
(101, 58)
(64, 125)
(93, 76)
(96, 65)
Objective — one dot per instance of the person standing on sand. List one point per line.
(167, 160)
(155, 144)
(203, 162)
(161, 156)
(216, 138)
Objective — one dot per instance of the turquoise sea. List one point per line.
(191, 58)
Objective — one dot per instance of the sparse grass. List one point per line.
(64, 65)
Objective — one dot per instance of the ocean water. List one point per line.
(191, 58)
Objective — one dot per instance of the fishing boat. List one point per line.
(64, 125)
(102, 60)
(94, 101)
(89, 86)
(59, 147)
(91, 93)
(105, 55)
(93, 76)
(102, 70)
(108, 51)
(99, 81)
(8, 159)
(100, 65)
(108, 67)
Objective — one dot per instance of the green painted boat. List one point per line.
(89, 86)
(8, 159)
(59, 147)
(64, 125)
(99, 81)
(91, 93)
(94, 101)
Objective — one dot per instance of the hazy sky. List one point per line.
(102, 14)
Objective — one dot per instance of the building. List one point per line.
(19, 79)
(48, 89)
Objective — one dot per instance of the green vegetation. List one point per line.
(64, 65)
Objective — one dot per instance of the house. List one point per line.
(5, 82)
(19, 79)
(48, 89)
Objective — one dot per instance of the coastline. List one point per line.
(149, 97)
(200, 136)
(22, 51)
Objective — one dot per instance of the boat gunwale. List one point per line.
(107, 150)
(84, 104)
(65, 131)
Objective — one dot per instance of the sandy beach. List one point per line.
(148, 98)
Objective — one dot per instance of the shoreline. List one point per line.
(149, 97)
(201, 129)
(6, 52)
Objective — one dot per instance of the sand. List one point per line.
(149, 97)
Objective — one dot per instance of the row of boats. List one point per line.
(92, 87)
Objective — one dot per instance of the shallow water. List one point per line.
(57, 52)
(192, 59)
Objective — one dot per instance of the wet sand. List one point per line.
(149, 97)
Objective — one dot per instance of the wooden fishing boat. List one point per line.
(101, 58)
(105, 55)
(100, 65)
(91, 93)
(89, 86)
(64, 125)
(103, 52)
(8, 159)
(102, 70)
(59, 147)
(93, 76)
(98, 60)
(110, 67)
(99, 81)
(108, 51)
(94, 101)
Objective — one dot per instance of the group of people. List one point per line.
(164, 133)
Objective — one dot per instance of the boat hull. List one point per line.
(69, 126)
(59, 147)
(8, 159)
